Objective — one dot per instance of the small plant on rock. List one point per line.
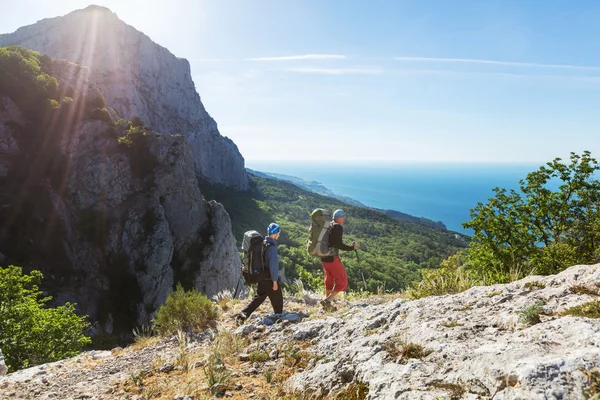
(534, 285)
(583, 289)
(589, 310)
(592, 387)
(531, 315)
(354, 391)
(398, 347)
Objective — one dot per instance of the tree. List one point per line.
(31, 333)
(539, 229)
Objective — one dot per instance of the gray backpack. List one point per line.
(318, 234)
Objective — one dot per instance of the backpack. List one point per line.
(318, 234)
(253, 258)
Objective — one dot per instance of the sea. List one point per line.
(443, 192)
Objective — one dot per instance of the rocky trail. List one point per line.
(510, 341)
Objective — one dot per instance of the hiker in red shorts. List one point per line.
(336, 280)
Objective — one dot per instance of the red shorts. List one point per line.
(335, 275)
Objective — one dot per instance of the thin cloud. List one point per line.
(494, 62)
(337, 71)
(301, 57)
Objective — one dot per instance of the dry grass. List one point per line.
(454, 390)
(588, 310)
(584, 289)
(592, 387)
(398, 347)
(451, 324)
(354, 391)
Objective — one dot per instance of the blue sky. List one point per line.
(460, 81)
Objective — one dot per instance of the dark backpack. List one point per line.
(254, 269)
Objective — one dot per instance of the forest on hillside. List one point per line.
(391, 253)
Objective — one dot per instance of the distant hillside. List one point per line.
(319, 188)
(313, 186)
(391, 251)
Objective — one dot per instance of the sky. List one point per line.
(397, 80)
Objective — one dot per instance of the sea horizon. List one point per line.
(439, 191)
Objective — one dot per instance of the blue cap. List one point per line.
(339, 214)
(273, 229)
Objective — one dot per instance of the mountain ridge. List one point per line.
(139, 78)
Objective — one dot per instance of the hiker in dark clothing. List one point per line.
(269, 287)
(336, 280)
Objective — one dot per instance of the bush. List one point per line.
(30, 333)
(452, 277)
(184, 311)
(100, 114)
(135, 144)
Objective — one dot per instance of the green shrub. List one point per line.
(537, 229)
(452, 277)
(24, 77)
(100, 114)
(135, 144)
(30, 333)
(531, 315)
(185, 311)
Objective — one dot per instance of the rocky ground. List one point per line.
(509, 341)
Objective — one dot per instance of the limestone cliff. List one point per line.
(111, 225)
(138, 78)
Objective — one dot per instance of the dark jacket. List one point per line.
(336, 242)
(271, 259)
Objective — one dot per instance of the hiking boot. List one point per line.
(327, 306)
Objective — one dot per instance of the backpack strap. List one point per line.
(264, 253)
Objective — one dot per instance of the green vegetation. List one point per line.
(134, 142)
(536, 230)
(450, 278)
(30, 332)
(25, 78)
(587, 310)
(184, 311)
(531, 315)
(539, 230)
(534, 285)
(392, 252)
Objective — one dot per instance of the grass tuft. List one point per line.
(588, 310)
(531, 315)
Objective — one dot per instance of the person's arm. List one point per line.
(273, 263)
(335, 239)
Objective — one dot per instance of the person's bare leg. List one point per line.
(331, 295)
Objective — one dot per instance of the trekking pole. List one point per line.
(360, 268)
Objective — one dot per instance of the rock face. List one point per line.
(112, 226)
(138, 78)
(475, 346)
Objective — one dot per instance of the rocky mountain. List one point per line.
(138, 78)
(480, 344)
(108, 210)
